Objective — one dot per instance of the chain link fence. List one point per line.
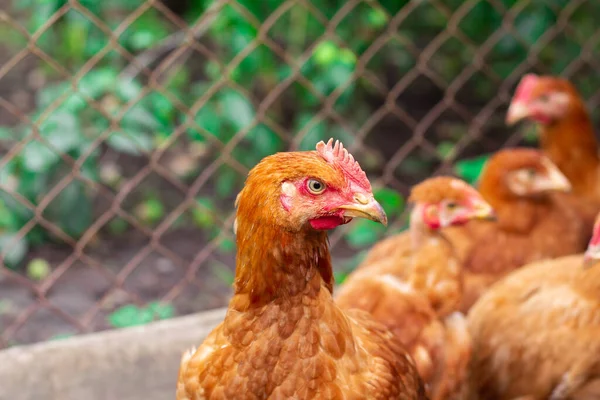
(127, 128)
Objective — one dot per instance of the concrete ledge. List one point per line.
(139, 363)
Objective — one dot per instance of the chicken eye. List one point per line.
(544, 98)
(315, 186)
(451, 205)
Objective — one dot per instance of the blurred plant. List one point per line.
(38, 269)
(146, 119)
(470, 169)
(150, 211)
(363, 232)
(132, 315)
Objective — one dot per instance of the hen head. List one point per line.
(316, 190)
(521, 172)
(592, 254)
(543, 99)
(445, 201)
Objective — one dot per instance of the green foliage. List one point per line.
(38, 269)
(363, 232)
(132, 315)
(150, 211)
(470, 169)
(132, 120)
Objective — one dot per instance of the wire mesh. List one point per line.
(111, 216)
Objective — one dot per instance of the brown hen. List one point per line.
(566, 136)
(536, 333)
(283, 336)
(532, 224)
(418, 304)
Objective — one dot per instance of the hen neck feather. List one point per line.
(274, 263)
(571, 144)
(434, 269)
(514, 213)
(420, 232)
(423, 239)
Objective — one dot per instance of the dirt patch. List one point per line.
(82, 286)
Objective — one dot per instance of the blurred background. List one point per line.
(127, 128)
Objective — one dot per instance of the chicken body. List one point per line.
(536, 334)
(304, 347)
(283, 336)
(533, 223)
(549, 229)
(439, 344)
(418, 304)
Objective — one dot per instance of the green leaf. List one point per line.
(97, 82)
(131, 315)
(61, 130)
(445, 149)
(226, 245)
(208, 120)
(160, 310)
(75, 37)
(142, 39)
(470, 169)
(118, 226)
(162, 107)
(8, 220)
(150, 211)
(128, 315)
(131, 142)
(138, 117)
(363, 233)
(38, 269)
(73, 208)
(391, 201)
(37, 157)
(7, 133)
(264, 141)
(237, 109)
(128, 89)
(339, 277)
(325, 53)
(50, 93)
(203, 213)
(315, 133)
(226, 181)
(17, 249)
(347, 57)
(377, 18)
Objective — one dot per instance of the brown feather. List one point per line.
(536, 333)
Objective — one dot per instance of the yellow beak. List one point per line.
(516, 112)
(365, 207)
(555, 181)
(483, 210)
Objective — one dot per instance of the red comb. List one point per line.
(336, 154)
(525, 87)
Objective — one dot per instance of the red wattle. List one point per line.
(326, 223)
